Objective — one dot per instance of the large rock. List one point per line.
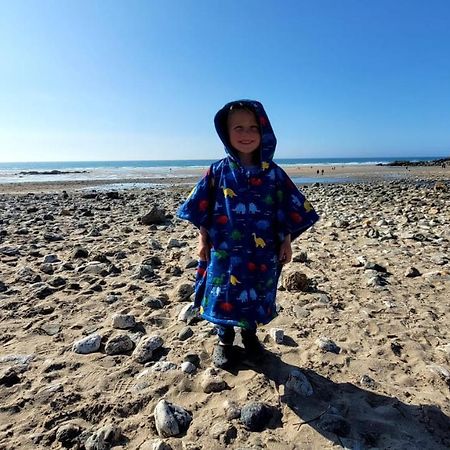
(119, 345)
(147, 345)
(155, 215)
(89, 344)
(295, 281)
(170, 419)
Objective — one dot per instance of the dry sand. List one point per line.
(378, 287)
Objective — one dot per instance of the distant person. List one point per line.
(248, 212)
(322, 171)
(317, 171)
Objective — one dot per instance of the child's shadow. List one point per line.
(354, 417)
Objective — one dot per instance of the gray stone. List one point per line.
(188, 367)
(255, 416)
(67, 434)
(212, 382)
(123, 321)
(171, 420)
(104, 438)
(298, 383)
(154, 216)
(119, 345)
(277, 334)
(412, 272)
(174, 243)
(327, 345)
(163, 366)
(185, 333)
(147, 345)
(189, 313)
(50, 259)
(89, 344)
(224, 432)
(184, 291)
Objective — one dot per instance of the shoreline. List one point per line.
(188, 176)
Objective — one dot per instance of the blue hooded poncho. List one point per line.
(247, 213)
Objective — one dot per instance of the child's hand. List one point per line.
(285, 254)
(204, 247)
(204, 250)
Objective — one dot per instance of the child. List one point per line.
(248, 212)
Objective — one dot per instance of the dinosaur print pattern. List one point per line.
(247, 212)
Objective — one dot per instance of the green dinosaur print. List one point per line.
(236, 235)
(217, 281)
(268, 200)
(280, 195)
(221, 254)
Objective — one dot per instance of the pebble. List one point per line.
(154, 216)
(184, 291)
(192, 358)
(412, 272)
(277, 334)
(104, 438)
(147, 345)
(119, 345)
(298, 383)
(327, 345)
(163, 366)
(171, 420)
(173, 243)
(123, 321)
(89, 344)
(188, 367)
(185, 333)
(295, 281)
(189, 313)
(212, 382)
(67, 434)
(224, 432)
(255, 416)
(232, 410)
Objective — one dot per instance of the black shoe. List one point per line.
(252, 344)
(222, 356)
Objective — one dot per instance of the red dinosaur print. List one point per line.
(296, 217)
(222, 220)
(254, 181)
(203, 205)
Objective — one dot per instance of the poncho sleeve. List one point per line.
(197, 208)
(294, 213)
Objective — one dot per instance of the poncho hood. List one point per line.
(268, 139)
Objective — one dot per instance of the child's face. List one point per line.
(243, 131)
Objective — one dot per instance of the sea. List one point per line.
(112, 171)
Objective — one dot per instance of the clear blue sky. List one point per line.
(117, 80)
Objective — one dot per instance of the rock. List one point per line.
(298, 383)
(123, 321)
(50, 259)
(441, 371)
(232, 410)
(145, 271)
(173, 243)
(9, 377)
(111, 298)
(153, 303)
(188, 367)
(212, 382)
(89, 344)
(163, 366)
(53, 237)
(185, 333)
(67, 434)
(192, 358)
(3, 287)
(41, 290)
(224, 432)
(189, 314)
(277, 334)
(374, 266)
(104, 438)
(255, 416)
(327, 345)
(295, 281)
(412, 272)
(301, 257)
(154, 216)
(119, 345)
(95, 268)
(147, 345)
(171, 420)
(157, 444)
(184, 291)
(334, 423)
(79, 252)
(367, 381)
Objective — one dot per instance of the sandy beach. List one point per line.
(99, 348)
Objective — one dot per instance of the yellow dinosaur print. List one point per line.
(234, 281)
(307, 206)
(227, 192)
(259, 241)
(265, 165)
